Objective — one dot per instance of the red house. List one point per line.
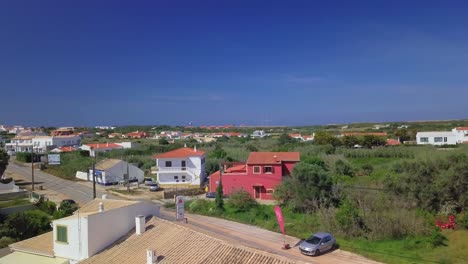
(262, 172)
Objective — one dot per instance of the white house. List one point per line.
(20, 144)
(259, 134)
(44, 143)
(100, 147)
(436, 138)
(181, 167)
(113, 171)
(462, 134)
(91, 229)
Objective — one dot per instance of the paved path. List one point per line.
(262, 239)
(54, 186)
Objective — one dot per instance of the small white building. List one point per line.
(462, 134)
(114, 171)
(181, 167)
(100, 147)
(436, 138)
(259, 134)
(20, 144)
(91, 229)
(44, 143)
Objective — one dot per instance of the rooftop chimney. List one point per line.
(107, 144)
(140, 225)
(151, 256)
(104, 196)
(101, 207)
(185, 145)
(195, 148)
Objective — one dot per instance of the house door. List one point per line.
(257, 192)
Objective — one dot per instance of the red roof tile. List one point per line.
(461, 128)
(104, 145)
(379, 134)
(179, 153)
(393, 142)
(272, 157)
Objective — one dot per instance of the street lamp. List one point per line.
(94, 154)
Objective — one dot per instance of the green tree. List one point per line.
(350, 141)
(324, 138)
(342, 167)
(285, 139)
(219, 197)
(65, 209)
(4, 158)
(308, 187)
(370, 141)
(26, 224)
(241, 200)
(402, 135)
(163, 141)
(219, 152)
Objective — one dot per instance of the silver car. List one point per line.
(317, 244)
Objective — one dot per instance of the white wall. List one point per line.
(77, 246)
(106, 227)
(91, 233)
(462, 135)
(448, 138)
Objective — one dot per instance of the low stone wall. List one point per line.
(17, 209)
(13, 195)
(170, 193)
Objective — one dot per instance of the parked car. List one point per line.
(148, 181)
(318, 243)
(154, 187)
(70, 201)
(210, 195)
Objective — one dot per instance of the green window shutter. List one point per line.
(62, 235)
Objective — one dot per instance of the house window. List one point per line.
(269, 190)
(62, 234)
(445, 139)
(438, 139)
(256, 169)
(183, 164)
(183, 177)
(268, 169)
(424, 139)
(176, 177)
(168, 163)
(203, 161)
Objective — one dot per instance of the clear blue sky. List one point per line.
(242, 62)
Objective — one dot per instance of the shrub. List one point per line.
(342, 167)
(200, 206)
(5, 241)
(367, 169)
(437, 239)
(241, 200)
(347, 219)
(48, 207)
(463, 220)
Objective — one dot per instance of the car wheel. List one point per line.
(317, 252)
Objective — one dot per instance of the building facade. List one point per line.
(437, 138)
(259, 176)
(184, 167)
(462, 134)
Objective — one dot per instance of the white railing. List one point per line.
(178, 169)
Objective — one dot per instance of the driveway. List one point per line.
(54, 187)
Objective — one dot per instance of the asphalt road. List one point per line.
(80, 192)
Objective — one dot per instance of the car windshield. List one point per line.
(313, 240)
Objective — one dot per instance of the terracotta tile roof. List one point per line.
(177, 244)
(109, 204)
(393, 142)
(107, 164)
(104, 145)
(67, 149)
(272, 157)
(461, 128)
(379, 134)
(238, 168)
(40, 245)
(294, 135)
(179, 153)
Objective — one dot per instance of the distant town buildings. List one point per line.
(41, 144)
(105, 127)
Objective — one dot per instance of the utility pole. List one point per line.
(32, 167)
(94, 172)
(128, 179)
